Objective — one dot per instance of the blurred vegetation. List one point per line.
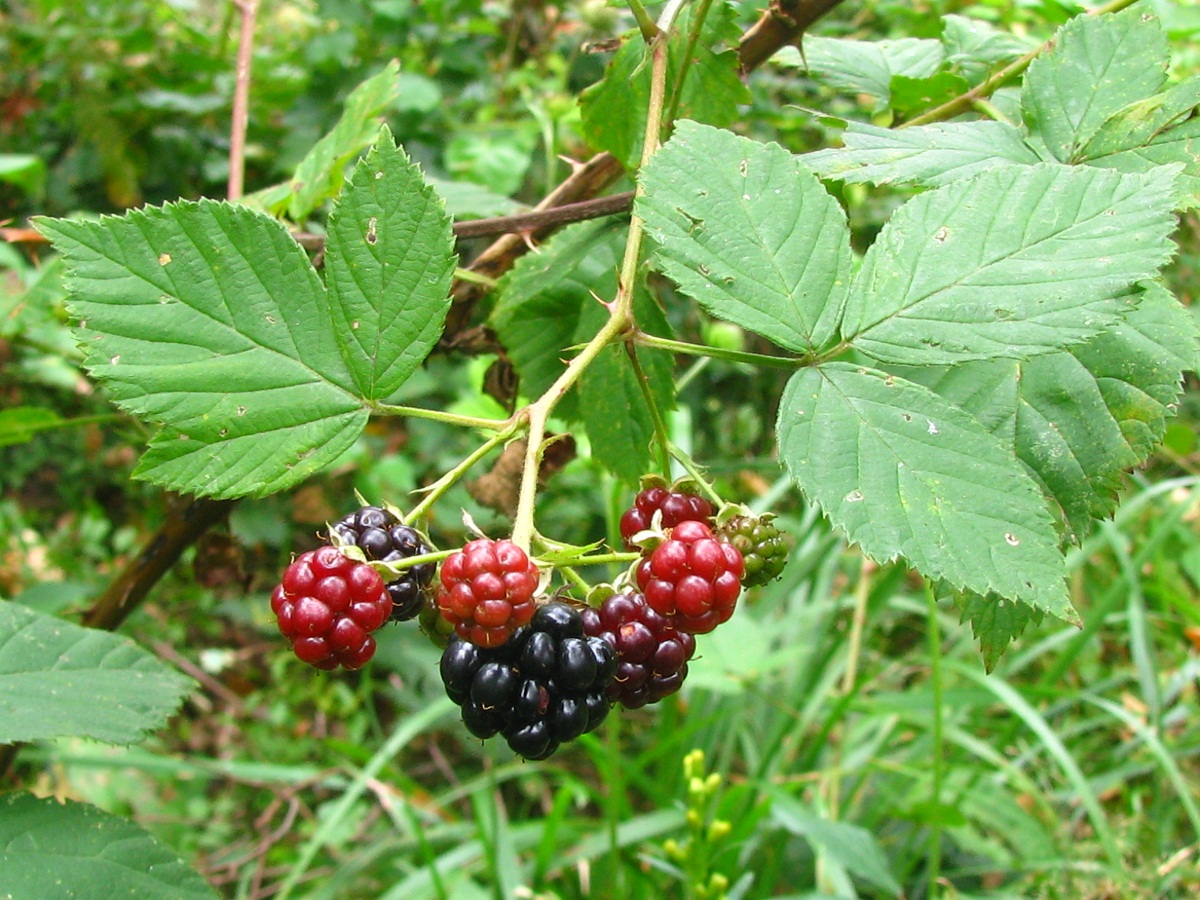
(1073, 771)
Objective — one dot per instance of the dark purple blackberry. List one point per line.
(544, 686)
(675, 506)
(382, 537)
(652, 656)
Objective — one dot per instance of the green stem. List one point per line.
(575, 578)
(437, 415)
(738, 356)
(935, 679)
(395, 568)
(689, 466)
(468, 275)
(685, 63)
(662, 439)
(603, 559)
(447, 481)
(645, 24)
(621, 318)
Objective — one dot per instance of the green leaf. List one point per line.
(51, 850)
(58, 679)
(321, 173)
(1141, 122)
(750, 233)
(865, 67)
(1013, 262)
(995, 622)
(547, 304)
(976, 48)
(1099, 65)
(465, 200)
(25, 171)
(907, 474)
(1081, 417)
(1176, 145)
(19, 424)
(915, 95)
(854, 849)
(388, 266)
(209, 319)
(929, 155)
(614, 110)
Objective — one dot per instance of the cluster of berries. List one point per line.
(329, 603)
(543, 686)
(539, 675)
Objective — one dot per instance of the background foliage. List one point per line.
(1069, 771)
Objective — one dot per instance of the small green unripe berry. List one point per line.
(762, 545)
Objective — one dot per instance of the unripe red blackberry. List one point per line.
(540, 689)
(383, 537)
(327, 606)
(675, 506)
(487, 591)
(652, 656)
(692, 578)
(761, 543)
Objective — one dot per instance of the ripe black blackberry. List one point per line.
(382, 536)
(652, 656)
(544, 686)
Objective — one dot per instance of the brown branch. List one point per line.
(538, 220)
(241, 98)
(782, 24)
(186, 519)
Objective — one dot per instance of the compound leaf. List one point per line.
(907, 474)
(1081, 417)
(1013, 262)
(58, 850)
(976, 48)
(929, 155)
(1178, 145)
(1099, 65)
(750, 233)
(59, 679)
(208, 318)
(388, 266)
